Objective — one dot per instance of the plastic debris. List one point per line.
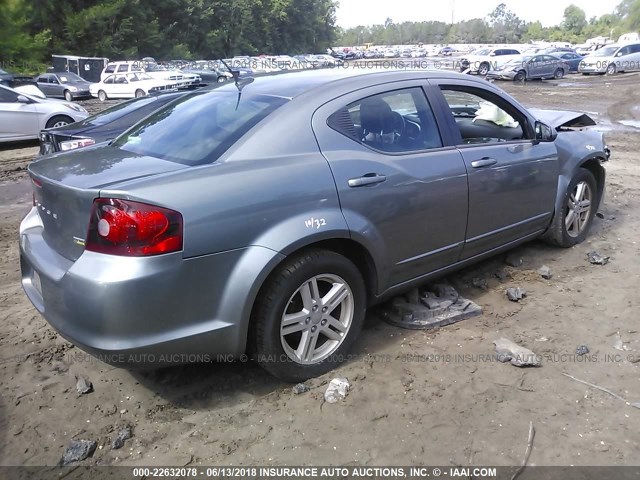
(300, 388)
(337, 390)
(437, 306)
(596, 259)
(83, 385)
(582, 350)
(515, 354)
(516, 294)
(545, 272)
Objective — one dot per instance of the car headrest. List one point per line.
(376, 116)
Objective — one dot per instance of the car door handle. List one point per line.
(368, 179)
(484, 162)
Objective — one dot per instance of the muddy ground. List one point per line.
(417, 397)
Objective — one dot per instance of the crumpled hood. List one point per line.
(562, 118)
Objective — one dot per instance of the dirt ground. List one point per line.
(417, 397)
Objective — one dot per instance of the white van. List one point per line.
(611, 59)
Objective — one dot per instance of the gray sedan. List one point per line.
(265, 216)
(531, 67)
(65, 85)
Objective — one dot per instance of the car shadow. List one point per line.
(213, 385)
(4, 146)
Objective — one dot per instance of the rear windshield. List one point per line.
(122, 109)
(198, 128)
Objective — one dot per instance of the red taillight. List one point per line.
(135, 229)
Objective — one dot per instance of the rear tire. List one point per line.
(59, 121)
(558, 74)
(221, 79)
(102, 95)
(299, 328)
(68, 96)
(571, 224)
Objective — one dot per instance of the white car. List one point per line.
(484, 59)
(150, 68)
(22, 116)
(130, 85)
(611, 59)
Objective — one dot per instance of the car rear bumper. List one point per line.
(141, 311)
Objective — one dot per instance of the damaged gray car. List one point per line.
(266, 216)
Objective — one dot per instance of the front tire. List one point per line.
(571, 225)
(140, 93)
(611, 69)
(102, 95)
(59, 121)
(307, 316)
(484, 69)
(521, 76)
(68, 96)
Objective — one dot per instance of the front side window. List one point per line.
(7, 96)
(110, 69)
(483, 117)
(109, 79)
(198, 128)
(123, 68)
(394, 122)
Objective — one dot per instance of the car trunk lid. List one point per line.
(66, 185)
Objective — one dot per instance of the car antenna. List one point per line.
(240, 83)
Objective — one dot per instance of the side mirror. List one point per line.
(492, 54)
(544, 133)
(23, 99)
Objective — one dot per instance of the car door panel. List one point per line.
(19, 120)
(417, 206)
(512, 184)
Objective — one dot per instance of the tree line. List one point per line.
(32, 30)
(500, 26)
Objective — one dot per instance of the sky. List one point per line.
(352, 13)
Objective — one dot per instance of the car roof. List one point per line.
(292, 84)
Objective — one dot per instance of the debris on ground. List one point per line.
(502, 274)
(545, 272)
(602, 389)
(300, 388)
(480, 283)
(582, 350)
(83, 385)
(437, 306)
(337, 390)
(123, 434)
(513, 260)
(596, 259)
(619, 344)
(515, 294)
(515, 354)
(77, 451)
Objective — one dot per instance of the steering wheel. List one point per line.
(399, 128)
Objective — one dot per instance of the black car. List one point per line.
(13, 80)
(103, 126)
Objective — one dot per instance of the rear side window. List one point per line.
(123, 68)
(395, 122)
(635, 48)
(198, 128)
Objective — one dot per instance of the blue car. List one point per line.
(572, 59)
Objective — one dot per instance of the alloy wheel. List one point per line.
(317, 319)
(578, 209)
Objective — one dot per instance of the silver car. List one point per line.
(266, 216)
(65, 85)
(22, 116)
(531, 67)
